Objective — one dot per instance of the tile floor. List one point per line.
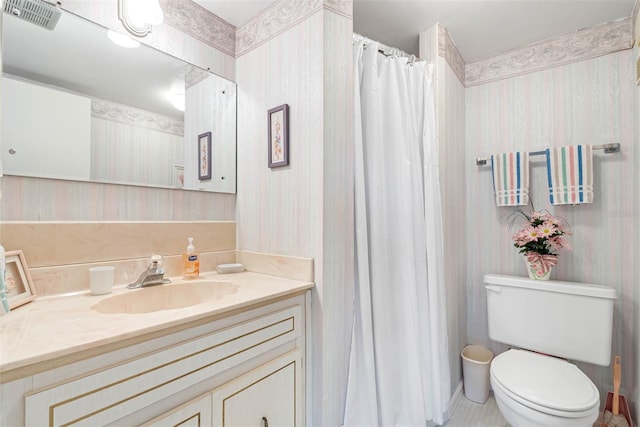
(471, 414)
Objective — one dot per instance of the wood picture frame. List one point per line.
(18, 283)
(204, 156)
(278, 143)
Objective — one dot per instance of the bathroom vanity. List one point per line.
(235, 359)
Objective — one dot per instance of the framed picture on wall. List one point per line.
(17, 281)
(177, 181)
(204, 156)
(278, 149)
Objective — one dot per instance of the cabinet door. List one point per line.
(269, 396)
(196, 413)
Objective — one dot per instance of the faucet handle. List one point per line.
(155, 260)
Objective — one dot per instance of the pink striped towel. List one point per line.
(570, 174)
(511, 178)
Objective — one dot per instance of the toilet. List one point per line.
(546, 324)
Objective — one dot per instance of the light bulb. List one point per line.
(177, 100)
(122, 40)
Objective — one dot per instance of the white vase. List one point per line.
(535, 271)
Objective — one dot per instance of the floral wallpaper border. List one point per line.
(448, 50)
(199, 23)
(281, 16)
(580, 45)
(134, 116)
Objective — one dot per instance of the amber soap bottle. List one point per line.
(190, 262)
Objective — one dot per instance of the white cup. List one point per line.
(101, 279)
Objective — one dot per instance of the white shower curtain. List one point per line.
(399, 365)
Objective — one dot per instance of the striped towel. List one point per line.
(511, 178)
(570, 174)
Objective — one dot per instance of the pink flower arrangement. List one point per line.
(540, 239)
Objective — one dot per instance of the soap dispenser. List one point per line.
(190, 262)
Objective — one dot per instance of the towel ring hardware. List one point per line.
(613, 147)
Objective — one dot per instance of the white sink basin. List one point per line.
(165, 297)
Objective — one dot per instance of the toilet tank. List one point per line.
(565, 319)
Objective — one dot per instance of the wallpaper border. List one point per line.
(194, 20)
(279, 17)
(120, 113)
(448, 50)
(580, 45)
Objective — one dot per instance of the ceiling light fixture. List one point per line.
(178, 101)
(138, 16)
(122, 40)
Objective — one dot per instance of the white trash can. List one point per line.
(476, 361)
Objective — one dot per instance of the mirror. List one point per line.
(77, 106)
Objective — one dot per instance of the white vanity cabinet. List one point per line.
(266, 396)
(222, 372)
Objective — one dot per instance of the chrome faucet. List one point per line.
(153, 275)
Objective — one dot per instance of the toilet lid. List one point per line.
(545, 380)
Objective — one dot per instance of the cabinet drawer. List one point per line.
(112, 393)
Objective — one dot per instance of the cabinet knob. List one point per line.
(265, 422)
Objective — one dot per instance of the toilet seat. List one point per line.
(544, 383)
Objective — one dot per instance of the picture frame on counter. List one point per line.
(18, 283)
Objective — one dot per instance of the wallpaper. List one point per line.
(305, 208)
(635, 396)
(451, 143)
(587, 102)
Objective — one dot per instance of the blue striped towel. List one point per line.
(511, 178)
(570, 174)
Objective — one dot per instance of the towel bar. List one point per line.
(613, 147)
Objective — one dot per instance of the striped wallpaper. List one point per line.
(451, 117)
(450, 112)
(306, 208)
(635, 395)
(587, 102)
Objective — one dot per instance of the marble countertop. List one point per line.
(59, 326)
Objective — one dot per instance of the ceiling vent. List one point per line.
(39, 12)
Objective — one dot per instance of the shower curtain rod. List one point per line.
(613, 147)
(383, 48)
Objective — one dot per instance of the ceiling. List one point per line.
(235, 12)
(479, 28)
